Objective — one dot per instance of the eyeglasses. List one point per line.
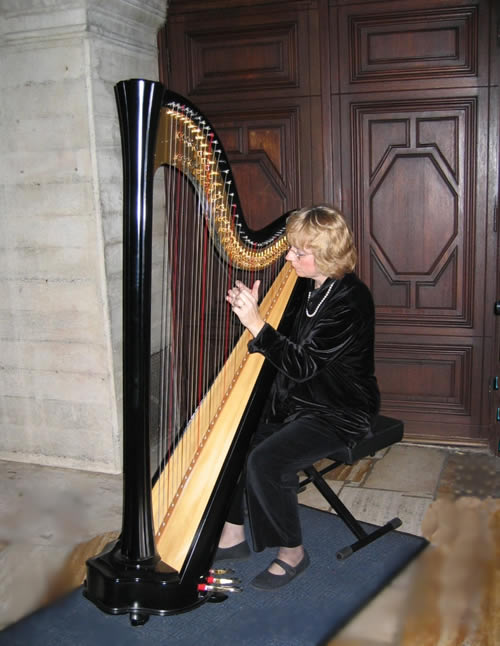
(298, 254)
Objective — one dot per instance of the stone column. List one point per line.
(60, 223)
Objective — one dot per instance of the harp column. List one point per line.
(128, 576)
(139, 102)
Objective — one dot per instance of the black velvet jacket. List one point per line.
(326, 365)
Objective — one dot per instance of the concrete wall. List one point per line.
(60, 223)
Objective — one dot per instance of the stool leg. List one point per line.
(369, 538)
(335, 502)
(364, 538)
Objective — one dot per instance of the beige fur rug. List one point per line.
(455, 600)
(73, 572)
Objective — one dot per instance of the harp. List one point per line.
(211, 389)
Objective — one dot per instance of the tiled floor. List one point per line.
(45, 512)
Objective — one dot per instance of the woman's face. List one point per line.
(304, 263)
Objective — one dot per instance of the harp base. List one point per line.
(117, 586)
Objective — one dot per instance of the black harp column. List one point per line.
(129, 576)
(139, 103)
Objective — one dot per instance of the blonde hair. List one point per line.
(323, 231)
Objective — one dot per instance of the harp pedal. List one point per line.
(220, 571)
(218, 584)
(217, 580)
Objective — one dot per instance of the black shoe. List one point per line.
(237, 552)
(268, 581)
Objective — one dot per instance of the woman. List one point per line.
(325, 394)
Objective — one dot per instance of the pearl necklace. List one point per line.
(327, 293)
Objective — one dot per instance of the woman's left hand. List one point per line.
(244, 303)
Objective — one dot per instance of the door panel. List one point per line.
(416, 190)
(249, 51)
(413, 44)
(271, 156)
(259, 146)
(413, 205)
(429, 382)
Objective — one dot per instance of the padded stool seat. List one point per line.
(385, 432)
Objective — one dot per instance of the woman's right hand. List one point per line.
(244, 303)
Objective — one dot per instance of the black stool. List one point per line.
(385, 431)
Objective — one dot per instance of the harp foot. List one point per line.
(138, 618)
(120, 587)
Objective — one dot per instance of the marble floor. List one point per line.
(45, 512)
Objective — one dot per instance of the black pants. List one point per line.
(278, 452)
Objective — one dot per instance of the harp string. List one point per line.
(169, 343)
(199, 331)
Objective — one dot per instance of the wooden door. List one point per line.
(492, 287)
(385, 109)
(493, 406)
(415, 181)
